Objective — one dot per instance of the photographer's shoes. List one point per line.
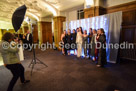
(26, 81)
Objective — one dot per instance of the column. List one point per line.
(39, 32)
(58, 29)
(0, 35)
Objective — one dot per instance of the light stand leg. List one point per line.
(32, 68)
(41, 62)
(30, 63)
(34, 60)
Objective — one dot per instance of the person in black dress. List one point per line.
(85, 42)
(69, 41)
(102, 60)
(89, 41)
(73, 45)
(64, 41)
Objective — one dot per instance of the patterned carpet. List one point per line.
(67, 73)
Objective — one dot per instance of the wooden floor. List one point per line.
(67, 73)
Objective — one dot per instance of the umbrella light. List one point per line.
(18, 17)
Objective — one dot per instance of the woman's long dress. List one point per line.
(65, 41)
(79, 41)
(102, 60)
(74, 40)
(85, 42)
(93, 44)
(89, 42)
(69, 41)
(21, 53)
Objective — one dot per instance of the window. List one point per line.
(80, 14)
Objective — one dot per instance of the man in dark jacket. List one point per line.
(29, 40)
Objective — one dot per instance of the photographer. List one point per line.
(11, 60)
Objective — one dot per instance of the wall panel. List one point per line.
(35, 33)
(46, 32)
(128, 32)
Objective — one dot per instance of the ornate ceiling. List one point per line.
(36, 9)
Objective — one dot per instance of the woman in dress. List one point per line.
(74, 41)
(63, 41)
(102, 51)
(79, 41)
(98, 45)
(85, 42)
(89, 41)
(69, 41)
(21, 53)
(93, 44)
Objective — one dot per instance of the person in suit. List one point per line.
(24, 38)
(11, 60)
(29, 40)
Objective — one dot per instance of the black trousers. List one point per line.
(89, 50)
(17, 71)
(65, 49)
(29, 45)
(85, 51)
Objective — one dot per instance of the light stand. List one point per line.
(35, 60)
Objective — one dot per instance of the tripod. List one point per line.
(35, 60)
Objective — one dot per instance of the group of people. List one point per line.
(77, 40)
(93, 44)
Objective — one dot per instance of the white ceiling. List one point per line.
(66, 4)
(35, 8)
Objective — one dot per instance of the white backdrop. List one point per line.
(111, 23)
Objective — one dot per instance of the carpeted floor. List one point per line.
(67, 73)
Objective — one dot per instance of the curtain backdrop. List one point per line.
(111, 23)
